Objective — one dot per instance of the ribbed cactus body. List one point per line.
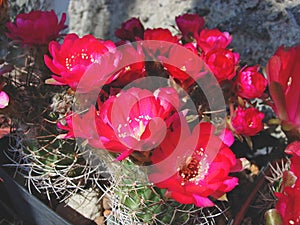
(136, 201)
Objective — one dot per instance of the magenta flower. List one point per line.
(135, 120)
(133, 64)
(294, 150)
(187, 66)
(131, 30)
(251, 83)
(190, 25)
(36, 27)
(223, 63)
(288, 204)
(247, 121)
(213, 38)
(195, 177)
(72, 59)
(79, 126)
(159, 35)
(283, 70)
(4, 99)
(288, 199)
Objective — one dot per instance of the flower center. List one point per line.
(134, 127)
(79, 58)
(195, 168)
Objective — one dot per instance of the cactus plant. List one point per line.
(134, 200)
(51, 165)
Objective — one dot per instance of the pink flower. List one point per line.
(131, 30)
(247, 121)
(135, 120)
(251, 83)
(4, 99)
(288, 204)
(192, 179)
(132, 61)
(213, 38)
(190, 25)
(191, 47)
(288, 199)
(187, 66)
(283, 70)
(223, 63)
(159, 35)
(72, 59)
(82, 126)
(294, 150)
(36, 27)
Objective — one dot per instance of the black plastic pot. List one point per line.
(18, 207)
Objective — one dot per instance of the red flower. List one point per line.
(289, 198)
(74, 56)
(283, 70)
(222, 63)
(192, 178)
(80, 126)
(190, 25)
(131, 30)
(132, 61)
(251, 83)
(191, 47)
(36, 27)
(213, 38)
(135, 119)
(160, 35)
(294, 150)
(247, 121)
(4, 99)
(187, 66)
(288, 204)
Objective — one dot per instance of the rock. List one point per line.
(295, 11)
(86, 203)
(24, 6)
(99, 220)
(106, 213)
(258, 27)
(73, 216)
(21, 6)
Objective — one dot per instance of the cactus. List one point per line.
(136, 201)
(51, 165)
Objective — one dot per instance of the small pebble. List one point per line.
(106, 213)
(99, 220)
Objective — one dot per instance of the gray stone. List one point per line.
(258, 27)
(100, 220)
(21, 6)
(24, 6)
(86, 203)
(295, 11)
